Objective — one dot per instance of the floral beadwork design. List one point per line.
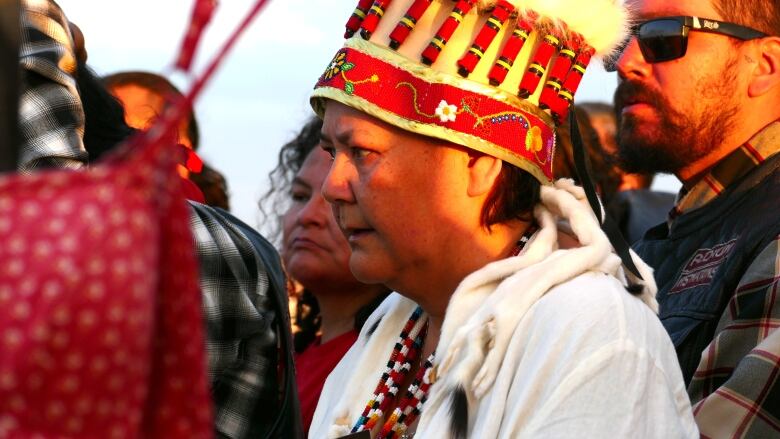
(533, 140)
(535, 143)
(337, 65)
(446, 112)
(509, 117)
(340, 66)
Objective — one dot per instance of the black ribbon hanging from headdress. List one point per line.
(9, 84)
(582, 165)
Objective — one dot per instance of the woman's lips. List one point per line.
(355, 235)
(305, 243)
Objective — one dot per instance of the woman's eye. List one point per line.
(299, 197)
(330, 150)
(359, 153)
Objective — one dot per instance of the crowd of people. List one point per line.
(456, 249)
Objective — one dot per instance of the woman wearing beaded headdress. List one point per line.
(513, 316)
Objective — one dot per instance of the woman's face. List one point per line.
(314, 250)
(400, 198)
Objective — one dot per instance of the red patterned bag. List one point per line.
(101, 330)
(101, 333)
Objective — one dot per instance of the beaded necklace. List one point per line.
(405, 351)
(410, 407)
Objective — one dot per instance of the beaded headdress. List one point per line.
(494, 76)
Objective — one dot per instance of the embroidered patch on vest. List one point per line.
(702, 267)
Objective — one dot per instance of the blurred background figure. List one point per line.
(145, 96)
(104, 118)
(248, 341)
(243, 290)
(213, 185)
(627, 197)
(332, 305)
(603, 118)
(606, 177)
(51, 117)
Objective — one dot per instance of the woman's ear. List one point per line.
(766, 73)
(483, 172)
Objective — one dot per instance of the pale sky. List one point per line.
(259, 98)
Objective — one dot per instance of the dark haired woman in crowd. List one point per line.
(333, 305)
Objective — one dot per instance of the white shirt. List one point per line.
(548, 344)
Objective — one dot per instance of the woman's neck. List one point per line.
(434, 289)
(338, 309)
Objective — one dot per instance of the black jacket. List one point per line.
(700, 261)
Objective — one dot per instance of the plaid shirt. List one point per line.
(242, 319)
(241, 302)
(735, 390)
(51, 117)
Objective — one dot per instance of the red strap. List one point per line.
(201, 16)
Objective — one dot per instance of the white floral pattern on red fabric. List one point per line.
(101, 333)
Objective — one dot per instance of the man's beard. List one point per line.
(677, 139)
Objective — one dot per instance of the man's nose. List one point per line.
(631, 63)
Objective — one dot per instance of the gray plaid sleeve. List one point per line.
(51, 116)
(51, 123)
(241, 341)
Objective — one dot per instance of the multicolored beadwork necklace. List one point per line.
(410, 407)
(405, 352)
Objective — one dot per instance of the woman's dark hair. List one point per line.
(104, 117)
(276, 200)
(307, 319)
(513, 197)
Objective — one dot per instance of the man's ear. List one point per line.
(483, 172)
(766, 73)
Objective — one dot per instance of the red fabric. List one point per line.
(201, 16)
(413, 98)
(101, 333)
(313, 366)
(192, 191)
(193, 162)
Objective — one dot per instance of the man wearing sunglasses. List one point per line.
(699, 97)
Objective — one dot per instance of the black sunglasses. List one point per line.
(666, 38)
